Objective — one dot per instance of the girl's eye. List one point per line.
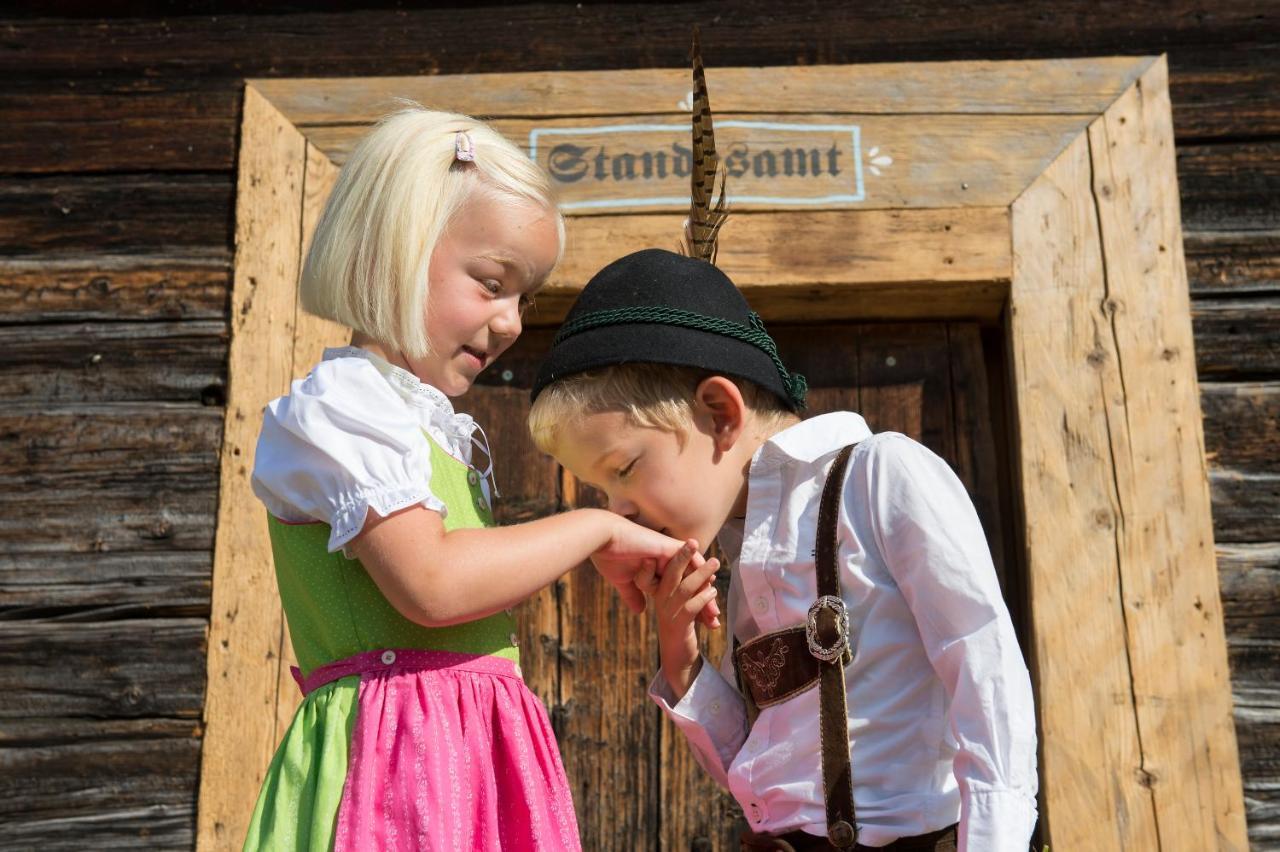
(626, 471)
(491, 285)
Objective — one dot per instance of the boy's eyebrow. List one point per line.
(595, 464)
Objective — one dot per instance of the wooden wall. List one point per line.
(116, 185)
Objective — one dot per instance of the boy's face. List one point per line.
(684, 488)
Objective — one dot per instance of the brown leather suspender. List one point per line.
(784, 663)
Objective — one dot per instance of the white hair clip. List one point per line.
(464, 150)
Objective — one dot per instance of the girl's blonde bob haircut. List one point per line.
(651, 396)
(394, 198)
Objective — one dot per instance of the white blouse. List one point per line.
(349, 438)
(941, 720)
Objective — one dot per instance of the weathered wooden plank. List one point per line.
(114, 362)
(46, 730)
(1237, 339)
(191, 285)
(102, 585)
(756, 33)
(1242, 425)
(607, 729)
(1250, 582)
(974, 456)
(1261, 781)
(110, 790)
(153, 826)
(839, 263)
(934, 160)
(1249, 575)
(44, 443)
(1092, 792)
(311, 336)
(116, 213)
(1218, 91)
(1164, 535)
(1230, 186)
(1257, 699)
(246, 625)
(155, 513)
(1044, 87)
(1246, 505)
(131, 668)
(61, 128)
(529, 488)
(1232, 262)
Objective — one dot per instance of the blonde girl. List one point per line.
(416, 730)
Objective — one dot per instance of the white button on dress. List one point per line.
(388, 657)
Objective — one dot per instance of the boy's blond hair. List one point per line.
(369, 257)
(653, 396)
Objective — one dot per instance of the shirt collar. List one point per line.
(810, 440)
(410, 388)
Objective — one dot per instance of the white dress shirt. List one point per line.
(941, 720)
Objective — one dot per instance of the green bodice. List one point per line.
(335, 610)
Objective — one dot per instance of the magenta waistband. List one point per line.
(398, 660)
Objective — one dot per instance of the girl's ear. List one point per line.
(720, 403)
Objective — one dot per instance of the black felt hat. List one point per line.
(656, 306)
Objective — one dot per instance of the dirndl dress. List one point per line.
(408, 737)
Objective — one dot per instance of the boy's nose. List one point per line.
(625, 508)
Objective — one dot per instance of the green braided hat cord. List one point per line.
(755, 334)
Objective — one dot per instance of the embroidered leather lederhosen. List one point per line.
(780, 665)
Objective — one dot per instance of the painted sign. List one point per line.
(647, 165)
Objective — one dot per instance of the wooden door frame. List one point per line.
(1082, 264)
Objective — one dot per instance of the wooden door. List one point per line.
(635, 782)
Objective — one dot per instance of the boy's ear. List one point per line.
(721, 402)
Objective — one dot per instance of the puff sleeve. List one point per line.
(342, 443)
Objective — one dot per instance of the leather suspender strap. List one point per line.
(829, 620)
(778, 666)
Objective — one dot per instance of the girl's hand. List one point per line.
(684, 591)
(631, 549)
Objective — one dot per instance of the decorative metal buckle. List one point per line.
(841, 644)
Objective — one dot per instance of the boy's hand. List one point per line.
(630, 550)
(648, 579)
(684, 591)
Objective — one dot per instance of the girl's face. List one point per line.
(483, 273)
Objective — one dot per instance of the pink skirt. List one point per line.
(449, 752)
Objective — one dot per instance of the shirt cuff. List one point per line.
(711, 715)
(996, 821)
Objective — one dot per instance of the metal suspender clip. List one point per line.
(830, 652)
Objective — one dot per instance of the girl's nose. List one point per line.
(507, 322)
